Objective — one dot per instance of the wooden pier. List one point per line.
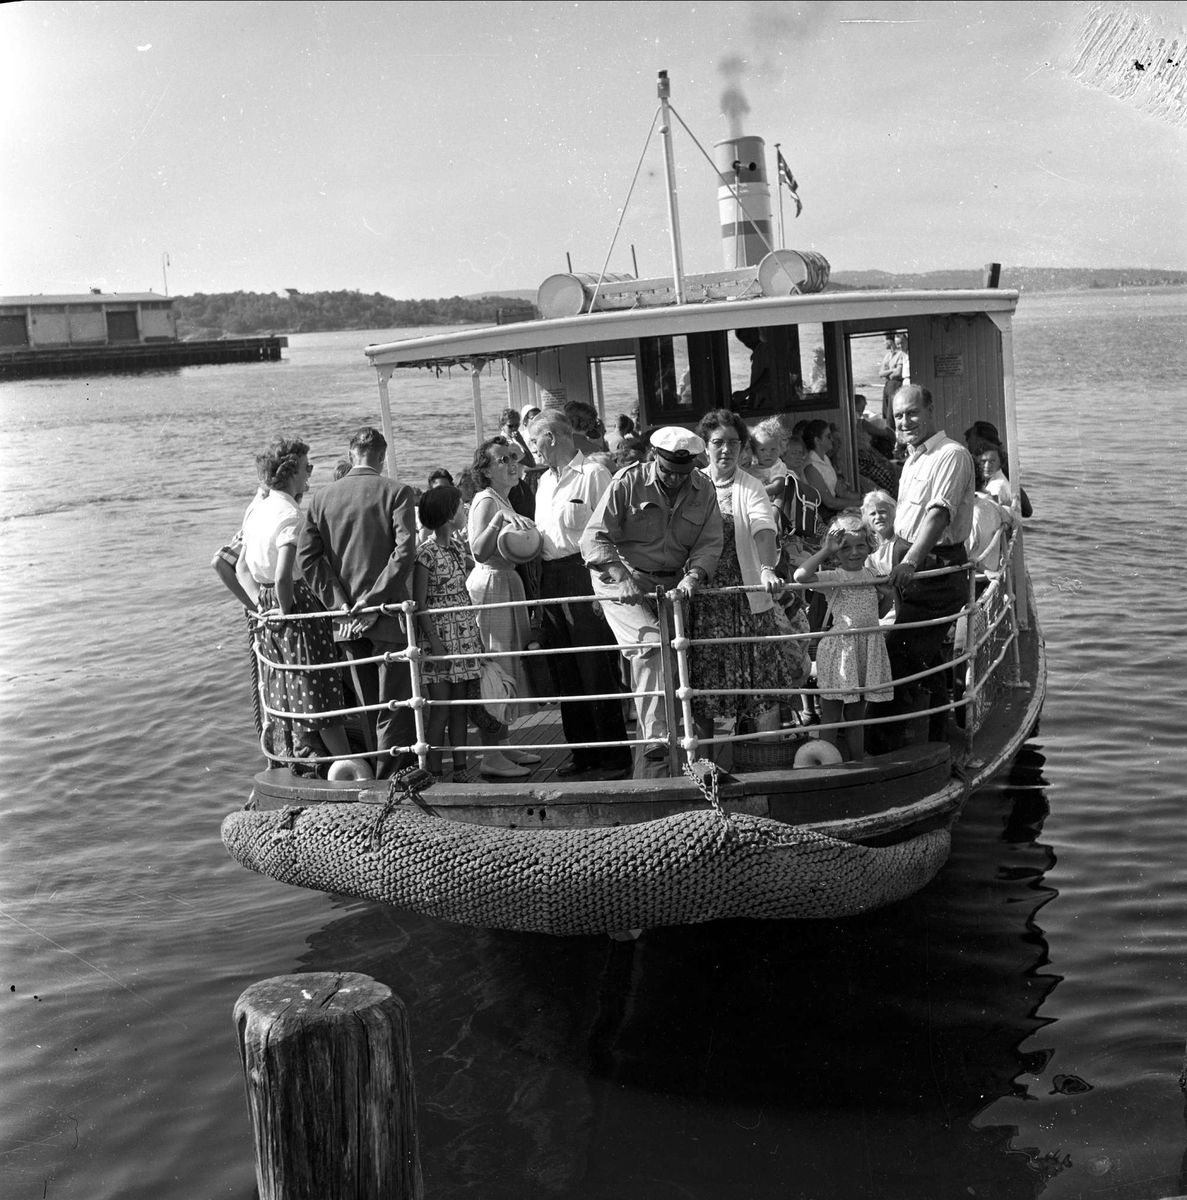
(27, 363)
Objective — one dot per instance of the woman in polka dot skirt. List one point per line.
(270, 535)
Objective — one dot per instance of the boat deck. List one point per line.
(542, 727)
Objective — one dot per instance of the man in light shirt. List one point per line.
(566, 495)
(935, 515)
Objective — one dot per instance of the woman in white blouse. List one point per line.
(270, 535)
(748, 558)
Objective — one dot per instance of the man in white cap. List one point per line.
(657, 525)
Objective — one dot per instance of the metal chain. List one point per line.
(705, 775)
(404, 787)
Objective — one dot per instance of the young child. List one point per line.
(439, 581)
(631, 451)
(769, 443)
(877, 511)
(846, 662)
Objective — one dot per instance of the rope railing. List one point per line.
(994, 608)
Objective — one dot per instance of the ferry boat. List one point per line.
(754, 835)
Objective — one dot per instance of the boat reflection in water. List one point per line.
(741, 1058)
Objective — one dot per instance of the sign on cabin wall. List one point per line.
(948, 364)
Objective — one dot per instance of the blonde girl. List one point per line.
(852, 668)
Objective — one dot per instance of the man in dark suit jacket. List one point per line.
(356, 551)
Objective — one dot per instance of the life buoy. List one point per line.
(351, 769)
(816, 752)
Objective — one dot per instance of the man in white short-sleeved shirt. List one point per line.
(935, 515)
(567, 493)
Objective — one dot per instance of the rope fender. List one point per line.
(676, 870)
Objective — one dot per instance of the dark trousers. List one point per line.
(915, 650)
(567, 625)
(382, 683)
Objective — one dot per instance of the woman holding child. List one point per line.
(748, 558)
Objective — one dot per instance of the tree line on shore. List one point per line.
(247, 313)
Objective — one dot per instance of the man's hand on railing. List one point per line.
(902, 573)
(689, 585)
(625, 584)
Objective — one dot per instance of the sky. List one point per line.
(424, 150)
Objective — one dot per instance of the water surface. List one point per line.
(922, 1051)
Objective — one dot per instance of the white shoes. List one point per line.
(522, 758)
(495, 764)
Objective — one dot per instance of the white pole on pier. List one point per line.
(665, 130)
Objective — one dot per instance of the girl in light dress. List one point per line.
(847, 662)
(439, 581)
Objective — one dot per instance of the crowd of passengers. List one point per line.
(556, 508)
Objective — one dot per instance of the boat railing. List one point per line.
(983, 662)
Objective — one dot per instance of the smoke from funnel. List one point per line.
(734, 105)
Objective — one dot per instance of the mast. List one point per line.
(779, 185)
(665, 130)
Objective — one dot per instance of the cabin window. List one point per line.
(664, 381)
(682, 378)
(613, 384)
(781, 368)
(753, 370)
(814, 364)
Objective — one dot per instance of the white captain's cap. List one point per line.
(679, 448)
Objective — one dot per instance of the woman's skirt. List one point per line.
(299, 643)
(502, 629)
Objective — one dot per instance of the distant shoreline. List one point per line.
(247, 314)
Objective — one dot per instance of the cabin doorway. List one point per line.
(868, 355)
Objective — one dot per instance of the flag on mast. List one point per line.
(786, 177)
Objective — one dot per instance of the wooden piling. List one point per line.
(328, 1068)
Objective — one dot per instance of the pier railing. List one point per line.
(982, 662)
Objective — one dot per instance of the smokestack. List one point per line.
(742, 162)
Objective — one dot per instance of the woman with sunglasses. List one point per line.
(494, 580)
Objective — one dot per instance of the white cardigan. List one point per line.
(753, 512)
